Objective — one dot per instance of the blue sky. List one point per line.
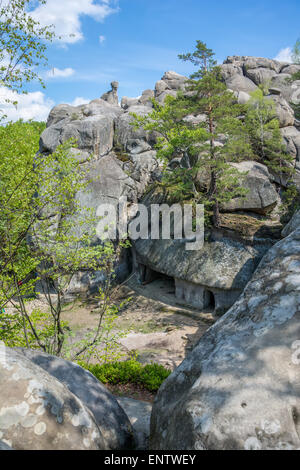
(136, 41)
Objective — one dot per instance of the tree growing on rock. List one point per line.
(262, 126)
(203, 128)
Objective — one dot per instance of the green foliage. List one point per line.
(45, 235)
(23, 43)
(12, 329)
(150, 376)
(196, 145)
(296, 107)
(296, 52)
(263, 129)
(202, 57)
(103, 342)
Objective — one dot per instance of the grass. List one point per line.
(150, 376)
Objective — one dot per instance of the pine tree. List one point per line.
(207, 147)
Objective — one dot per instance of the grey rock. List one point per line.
(284, 112)
(240, 83)
(254, 62)
(291, 137)
(242, 97)
(169, 85)
(229, 70)
(261, 196)
(162, 97)
(239, 387)
(260, 75)
(91, 125)
(110, 417)
(291, 69)
(112, 96)
(4, 446)
(289, 90)
(62, 111)
(124, 131)
(293, 224)
(139, 413)
(127, 102)
(37, 412)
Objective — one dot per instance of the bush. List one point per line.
(150, 376)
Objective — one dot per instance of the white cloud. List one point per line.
(284, 55)
(66, 15)
(102, 39)
(60, 73)
(78, 101)
(30, 106)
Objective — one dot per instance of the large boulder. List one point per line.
(290, 91)
(291, 137)
(112, 421)
(169, 85)
(293, 224)
(139, 413)
(261, 194)
(92, 126)
(210, 277)
(111, 96)
(240, 83)
(37, 412)
(239, 387)
(260, 75)
(125, 132)
(284, 112)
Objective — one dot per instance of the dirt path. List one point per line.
(159, 330)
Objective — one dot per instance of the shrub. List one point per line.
(150, 376)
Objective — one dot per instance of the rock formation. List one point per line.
(47, 403)
(112, 96)
(122, 161)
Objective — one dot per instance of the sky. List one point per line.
(136, 41)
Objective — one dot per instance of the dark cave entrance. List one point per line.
(209, 300)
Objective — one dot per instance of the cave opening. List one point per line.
(209, 300)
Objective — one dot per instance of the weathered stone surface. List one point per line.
(260, 75)
(4, 446)
(37, 412)
(242, 97)
(289, 90)
(139, 413)
(126, 102)
(284, 112)
(91, 125)
(112, 96)
(293, 224)
(291, 69)
(240, 83)
(291, 137)
(261, 196)
(124, 131)
(225, 264)
(239, 387)
(170, 84)
(254, 62)
(228, 70)
(110, 417)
